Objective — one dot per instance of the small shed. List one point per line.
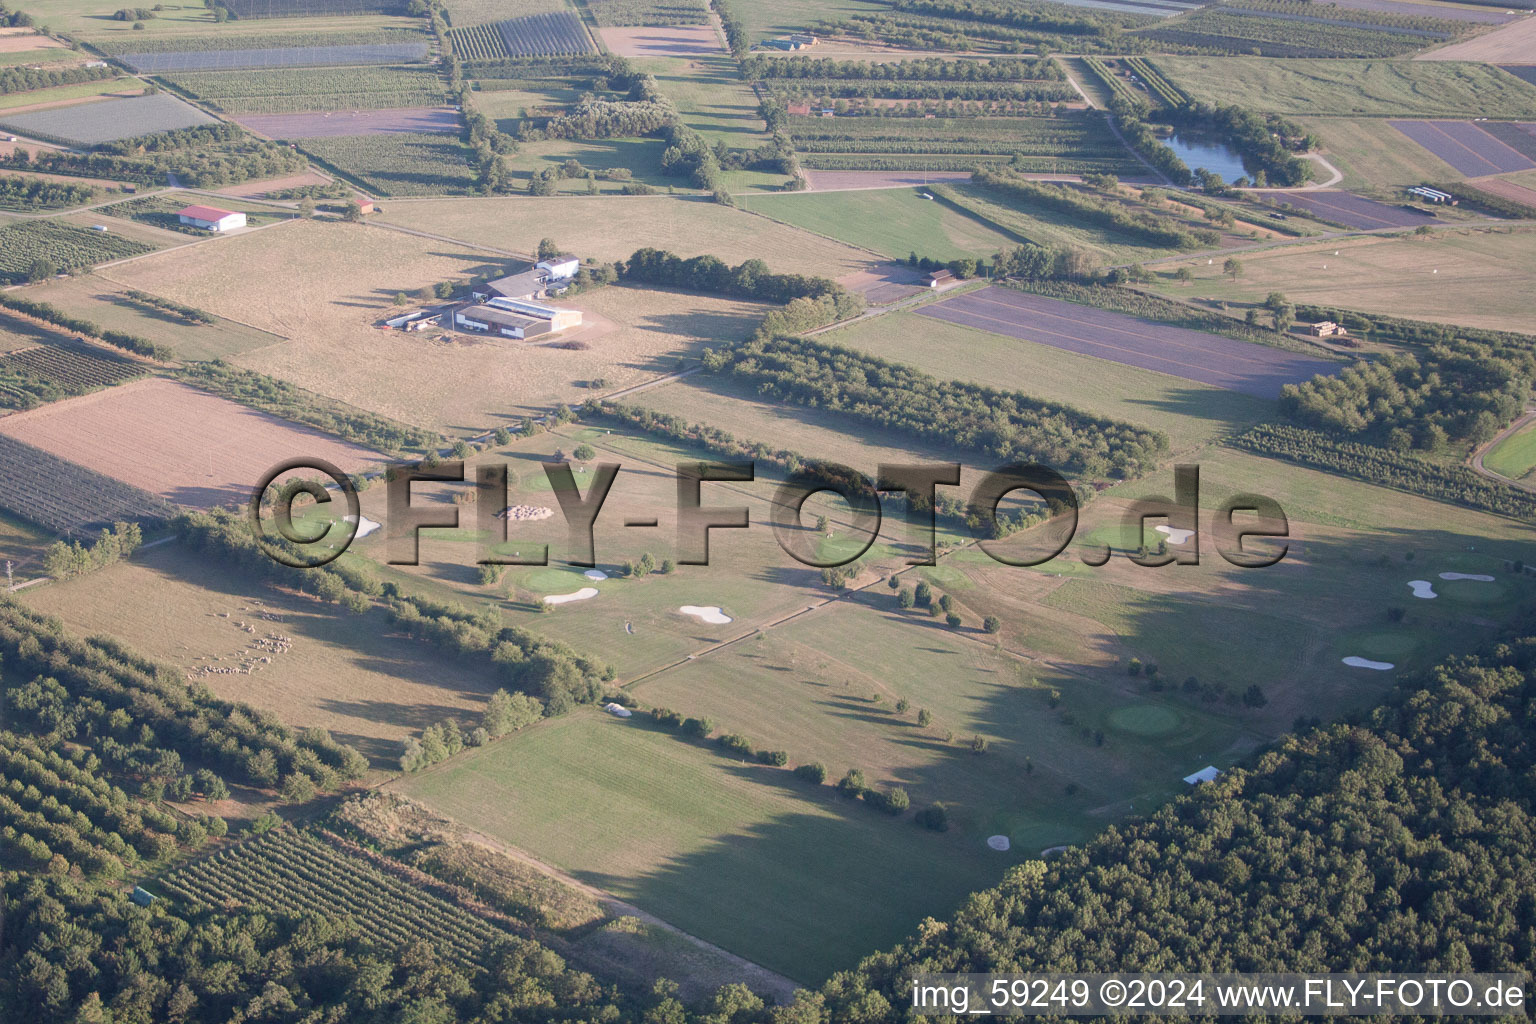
(940, 278)
(142, 896)
(617, 710)
(1206, 774)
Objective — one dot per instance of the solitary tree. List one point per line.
(585, 453)
(924, 717)
(306, 208)
(548, 249)
(1232, 268)
(992, 624)
(353, 212)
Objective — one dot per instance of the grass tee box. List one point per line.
(1194, 355)
(1376, 88)
(90, 124)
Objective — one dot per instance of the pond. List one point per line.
(1200, 152)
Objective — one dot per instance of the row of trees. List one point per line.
(750, 279)
(201, 158)
(1085, 207)
(1000, 425)
(65, 559)
(28, 79)
(51, 314)
(927, 69)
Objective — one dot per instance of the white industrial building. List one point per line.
(561, 268)
(494, 320)
(557, 318)
(211, 218)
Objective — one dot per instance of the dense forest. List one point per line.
(998, 425)
(1402, 840)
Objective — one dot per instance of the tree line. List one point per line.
(750, 279)
(200, 157)
(928, 69)
(1266, 142)
(1087, 208)
(37, 193)
(53, 315)
(1000, 425)
(28, 79)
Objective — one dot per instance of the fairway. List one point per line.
(892, 222)
(712, 845)
(1145, 720)
(1515, 456)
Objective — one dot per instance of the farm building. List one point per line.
(939, 278)
(500, 321)
(557, 318)
(1327, 329)
(1206, 774)
(1432, 195)
(561, 268)
(530, 284)
(211, 218)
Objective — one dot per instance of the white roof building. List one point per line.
(1206, 774)
(561, 268)
(211, 218)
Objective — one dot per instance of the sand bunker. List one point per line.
(1175, 536)
(524, 513)
(364, 527)
(1480, 577)
(580, 595)
(1355, 661)
(595, 574)
(710, 613)
(998, 842)
(1422, 588)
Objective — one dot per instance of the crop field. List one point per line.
(40, 99)
(275, 57)
(68, 247)
(298, 90)
(485, 12)
(672, 41)
(608, 229)
(1467, 277)
(67, 498)
(1513, 191)
(1241, 366)
(648, 13)
(136, 433)
(1068, 143)
(474, 383)
(250, 10)
(1189, 412)
(1352, 87)
(554, 34)
(42, 372)
(343, 672)
(266, 36)
(892, 222)
(412, 120)
(1282, 29)
(95, 298)
(1349, 209)
(399, 164)
(89, 124)
(1466, 146)
(1370, 153)
(296, 872)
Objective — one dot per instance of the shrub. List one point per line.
(992, 624)
(852, 783)
(815, 772)
(777, 758)
(736, 743)
(935, 817)
(700, 727)
(892, 801)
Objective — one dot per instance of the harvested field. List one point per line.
(1517, 135)
(143, 435)
(1516, 41)
(326, 285)
(1524, 72)
(837, 181)
(1465, 146)
(352, 122)
(338, 671)
(20, 40)
(258, 189)
(1193, 355)
(613, 228)
(884, 283)
(68, 498)
(1514, 192)
(675, 41)
(89, 124)
(1349, 209)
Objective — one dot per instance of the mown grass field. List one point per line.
(1473, 277)
(61, 93)
(892, 222)
(1351, 88)
(1515, 456)
(718, 848)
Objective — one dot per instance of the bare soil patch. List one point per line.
(259, 189)
(675, 41)
(185, 445)
(1514, 43)
(16, 40)
(328, 124)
